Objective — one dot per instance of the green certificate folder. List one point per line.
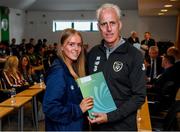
(95, 86)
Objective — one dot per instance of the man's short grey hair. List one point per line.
(108, 5)
(154, 48)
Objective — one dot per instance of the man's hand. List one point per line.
(98, 118)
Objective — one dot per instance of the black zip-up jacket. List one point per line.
(124, 72)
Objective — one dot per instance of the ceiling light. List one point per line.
(160, 14)
(168, 5)
(173, 0)
(164, 10)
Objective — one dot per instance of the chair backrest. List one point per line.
(2, 81)
(178, 94)
(170, 119)
(143, 118)
(168, 94)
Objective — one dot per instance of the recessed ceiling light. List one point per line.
(168, 5)
(160, 14)
(164, 10)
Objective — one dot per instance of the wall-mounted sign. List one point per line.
(4, 24)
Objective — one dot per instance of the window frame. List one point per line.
(72, 25)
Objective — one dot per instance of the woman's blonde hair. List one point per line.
(11, 64)
(77, 69)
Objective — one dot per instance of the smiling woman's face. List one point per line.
(72, 48)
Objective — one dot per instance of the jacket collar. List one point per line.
(122, 48)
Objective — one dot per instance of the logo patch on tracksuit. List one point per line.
(143, 67)
(117, 66)
(72, 87)
(96, 63)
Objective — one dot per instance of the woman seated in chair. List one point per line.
(27, 70)
(12, 76)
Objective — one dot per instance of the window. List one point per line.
(82, 26)
(94, 26)
(57, 26)
(78, 25)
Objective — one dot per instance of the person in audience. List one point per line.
(22, 47)
(27, 70)
(14, 48)
(38, 45)
(45, 42)
(147, 43)
(55, 47)
(133, 38)
(34, 60)
(154, 69)
(31, 54)
(123, 69)
(41, 58)
(12, 76)
(164, 86)
(173, 51)
(50, 55)
(63, 104)
(32, 41)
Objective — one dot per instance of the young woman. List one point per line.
(13, 78)
(63, 104)
(27, 70)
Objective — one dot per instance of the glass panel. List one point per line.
(62, 25)
(94, 27)
(82, 26)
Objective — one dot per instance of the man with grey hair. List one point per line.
(154, 69)
(123, 69)
(133, 39)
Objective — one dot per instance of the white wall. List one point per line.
(17, 24)
(161, 28)
(39, 25)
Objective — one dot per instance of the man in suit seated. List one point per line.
(154, 60)
(173, 51)
(165, 85)
(133, 38)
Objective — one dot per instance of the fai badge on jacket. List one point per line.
(117, 66)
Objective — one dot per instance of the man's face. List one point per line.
(147, 36)
(109, 26)
(153, 54)
(164, 61)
